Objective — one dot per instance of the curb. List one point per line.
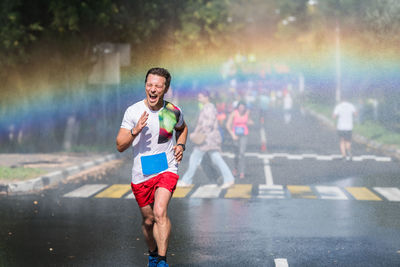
(53, 178)
(358, 138)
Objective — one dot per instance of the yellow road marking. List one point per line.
(181, 192)
(301, 191)
(114, 191)
(239, 191)
(362, 193)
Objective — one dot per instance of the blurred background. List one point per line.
(69, 69)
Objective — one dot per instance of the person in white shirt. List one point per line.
(148, 127)
(344, 112)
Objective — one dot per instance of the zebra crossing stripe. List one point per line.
(362, 193)
(207, 191)
(130, 196)
(239, 191)
(331, 192)
(391, 193)
(265, 191)
(114, 191)
(301, 191)
(281, 262)
(86, 190)
(181, 192)
(271, 191)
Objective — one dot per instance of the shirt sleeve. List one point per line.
(128, 120)
(336, 111)
(180, 119)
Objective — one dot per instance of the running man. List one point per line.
(148, 127)
(344, 113)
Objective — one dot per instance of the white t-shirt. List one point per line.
(155, 138)
(344, 111)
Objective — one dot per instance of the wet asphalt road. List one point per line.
(302, 227)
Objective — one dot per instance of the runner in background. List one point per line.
(237, 126)
(344, 112)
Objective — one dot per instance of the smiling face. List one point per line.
(155, 90)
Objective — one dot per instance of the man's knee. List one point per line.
(148, 222)
(160, 215)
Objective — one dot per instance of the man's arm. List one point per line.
(125, 137)
(181, 136)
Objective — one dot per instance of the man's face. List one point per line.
(155, 90)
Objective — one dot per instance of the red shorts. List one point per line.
(144, 192)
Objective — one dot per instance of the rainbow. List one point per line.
(36, 100)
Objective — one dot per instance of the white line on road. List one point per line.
(268, 174)
(281, 262)
(86, 190)
(391, 193)
(207, 191)
(330, 192)
(271, 191)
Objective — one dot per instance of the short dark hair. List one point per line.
(160, 72)
(205, 93)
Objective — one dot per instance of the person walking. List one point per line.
(344, 112)
(237, 125)
(287, 107)
(207, 126)
(148, 127)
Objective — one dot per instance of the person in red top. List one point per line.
(237, 126)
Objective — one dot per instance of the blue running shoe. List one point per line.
(162, 264)
(152, 261)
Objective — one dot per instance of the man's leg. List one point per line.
(194, 162)
(147, 226)
(343, 147)
(162, 225)
(348, 147)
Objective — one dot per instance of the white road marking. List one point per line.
(295, 157)
(86, 190)
(207, 191)
(322, 157)
(391, 193)
(383, 159)
(268, 174)
(130, 195)
(307, 156)
(281, 262)
(330, 192)
(271, 191)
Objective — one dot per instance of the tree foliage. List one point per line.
(71, 28)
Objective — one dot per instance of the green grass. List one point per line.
(325, 110)
(378, 133)
(20, 173)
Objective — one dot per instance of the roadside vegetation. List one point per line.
(19, 173)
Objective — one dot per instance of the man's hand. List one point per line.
(124, 138)
(141, 123)
(178, 152)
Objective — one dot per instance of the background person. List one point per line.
(344, 112)
(237, 125)
(207, 124)
(148, 127)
